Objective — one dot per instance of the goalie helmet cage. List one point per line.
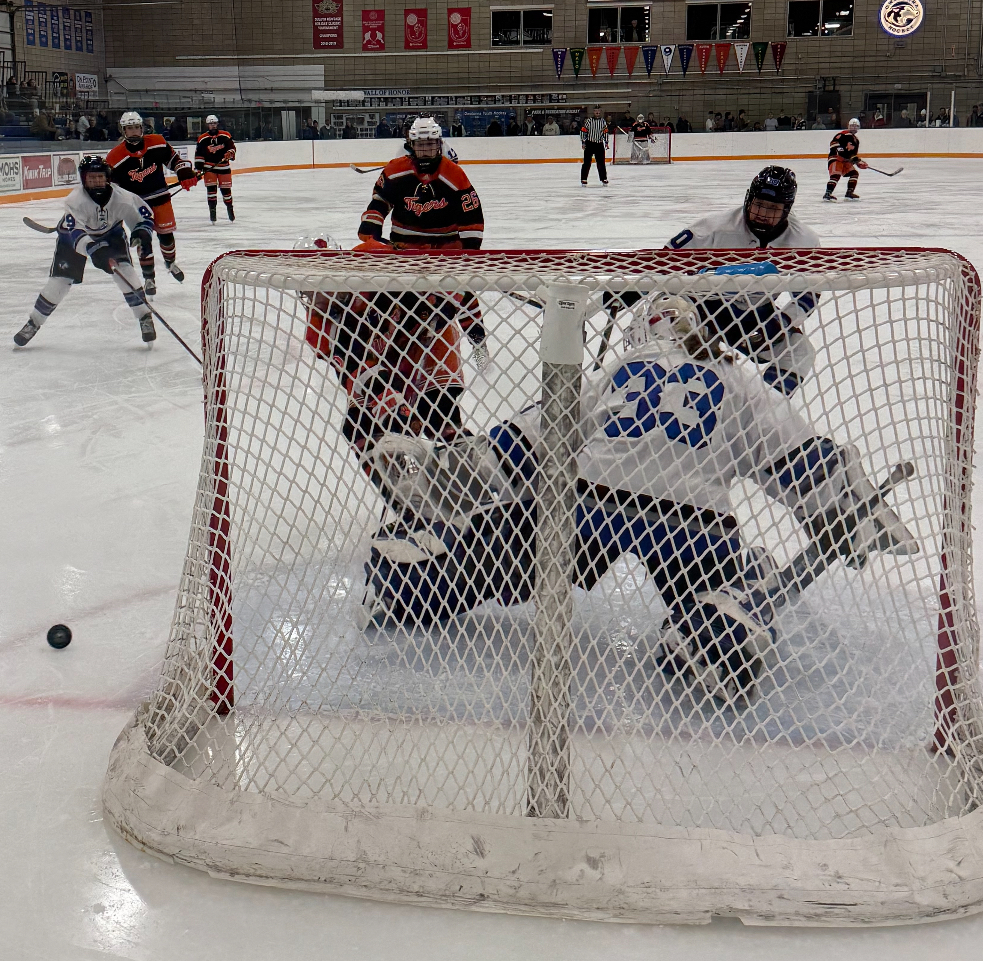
(526, 755)
(659, 147)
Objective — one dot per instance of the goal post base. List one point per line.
(588, 870)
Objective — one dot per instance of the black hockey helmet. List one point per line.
(775, 184)
(95, 165)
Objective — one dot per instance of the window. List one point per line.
(610, 24)
(820, 18)
(718, 21)
(521, 28)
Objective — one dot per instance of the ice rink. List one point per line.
(100, 441)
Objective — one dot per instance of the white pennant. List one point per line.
(741, 49)
(668, 51)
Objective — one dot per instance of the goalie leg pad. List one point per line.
(717, 642)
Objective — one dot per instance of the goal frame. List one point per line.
(565, 868)
(622, 136)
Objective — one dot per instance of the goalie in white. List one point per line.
(667, 432)
(92, 228)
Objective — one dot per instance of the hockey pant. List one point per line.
(164, 226)
(438, 571)
(215, 180)
(842, 168)
(68, 268)
(593, 151)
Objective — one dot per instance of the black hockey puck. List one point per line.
(59, 636)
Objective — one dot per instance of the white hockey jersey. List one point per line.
(85, 221)
(673, 428)
(730, 230)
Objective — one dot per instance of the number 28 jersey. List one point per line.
(662, 424)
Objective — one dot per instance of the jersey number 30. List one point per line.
(684, 402)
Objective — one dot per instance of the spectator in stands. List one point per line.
(494, 129)
(551, 128)
(878, 120)
(83, 126)
(71, 130)
(683, 125)
(310, 130)
(666, 122)
(382, 131)
(901, 119)
(864, 121)
(457, 127)
(770, 122)
(179, 130)
(43, 127)
(831, 120)
(513, 129)
(350, 132)
(728, 121)
(529, 128)
(708, 126)
(11, 87)
(742, 121)
(799, 123)
(784, 121)
(974, 116)
(634, 31)
(818, 124)
(102, 127)
(718, 122)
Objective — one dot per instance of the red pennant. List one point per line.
(778, 52)
(631, 55)
(703, 55)
(593, 59)
(723, 54)
(612, 54)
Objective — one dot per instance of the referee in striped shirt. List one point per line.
(594, 139)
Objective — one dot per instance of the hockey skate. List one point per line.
(26, 332)
(829, 196)
(212, 215)
(230, 212)
(852, 196)
(149, 286)
(147, 330)
(176, 272)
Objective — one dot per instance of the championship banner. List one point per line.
(42, 25)
(373, 30)
(577, 59)
(612, 55)
(668, 52)
(66, 27)
(703, 55)
(329, 33)
(89, 33)
(722, 51)
(55, 28)
(648, 55)
(559, 59)
(741, 50)
(593, 59)
(78, 31)
(631, 55)
(415, 29)
(458, 28)
(778, 48)
(29, 29)
(759, 47)
(685, 55)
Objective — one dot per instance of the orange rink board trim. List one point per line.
(55, 192)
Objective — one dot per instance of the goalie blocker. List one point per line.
(667, 434)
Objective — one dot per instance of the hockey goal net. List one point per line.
(657, 150)
(505, 735)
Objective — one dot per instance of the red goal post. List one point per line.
(625, 151)
(525, 756)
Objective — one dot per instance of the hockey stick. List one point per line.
(522, 299)
(40, 228)
(150, 307)
(366, 170)
(893, 173)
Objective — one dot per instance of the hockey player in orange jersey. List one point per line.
(213, 154)
(844, 159)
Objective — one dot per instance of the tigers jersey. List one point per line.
(640, 130)
(141, 169)
(845, 146)
(214, 152)
(438, 209)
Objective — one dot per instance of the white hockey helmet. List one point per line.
(640, 117)
(129, 119)
(319, 241)
(668, 317)
(211, 119)
(424, 140)
(854, 125)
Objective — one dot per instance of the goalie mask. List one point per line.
(94, 177)
(131, 127)
(319, 241)
(669, 318)
(768, 202)
(424, 139)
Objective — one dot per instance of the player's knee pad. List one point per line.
(717, 642)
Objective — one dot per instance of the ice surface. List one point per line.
(99, 447)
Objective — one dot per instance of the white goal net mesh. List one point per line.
(655, 149)
(426, 644)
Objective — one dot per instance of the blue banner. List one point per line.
(66, 26)
(55, 29)
(89, 44)
(648, 55)
(42, 25)
(559, 58)
(29, 32)
(685, 55)
(78, 31)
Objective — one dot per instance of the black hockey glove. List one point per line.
(99, 254)
(141, 237)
